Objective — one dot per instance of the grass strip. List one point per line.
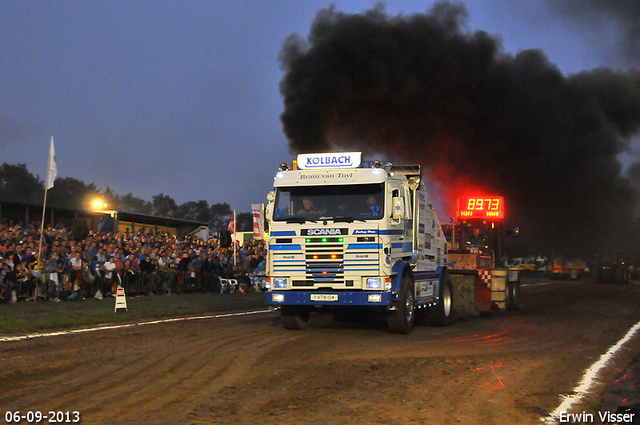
(29, 317)
(43, 316)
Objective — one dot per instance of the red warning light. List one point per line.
(486, 207)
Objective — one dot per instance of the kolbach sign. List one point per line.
(329, 160)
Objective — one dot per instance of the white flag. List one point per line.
(258, 228)
(52, 168)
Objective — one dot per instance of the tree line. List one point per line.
(17, 184)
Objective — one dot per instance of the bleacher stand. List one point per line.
(144, 264)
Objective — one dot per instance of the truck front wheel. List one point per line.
(293, 317)
(401, 319)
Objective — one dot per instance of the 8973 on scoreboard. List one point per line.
(487, 207)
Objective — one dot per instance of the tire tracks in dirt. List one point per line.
(508, 368)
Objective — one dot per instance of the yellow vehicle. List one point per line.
(524, 264)
(572, 268)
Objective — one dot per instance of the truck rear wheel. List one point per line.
(442, 314)
(295, 318)
(508, 295)
(401, 319)
(513, 295)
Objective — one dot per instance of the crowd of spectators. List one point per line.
(94, 265)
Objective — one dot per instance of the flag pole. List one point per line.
(40, 265)
(235, 232)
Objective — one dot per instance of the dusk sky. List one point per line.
(182, 98)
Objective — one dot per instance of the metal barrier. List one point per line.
(259, 282)
(159, 283)
(173, 282)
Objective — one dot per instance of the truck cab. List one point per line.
(345, 235)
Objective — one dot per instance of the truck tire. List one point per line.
(513, 295)
(442, 314)
(294, 318)
(508, 296)
(401, 319)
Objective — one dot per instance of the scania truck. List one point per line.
(343, 234)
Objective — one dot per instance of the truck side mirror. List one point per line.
(398, 208)
(271, 197)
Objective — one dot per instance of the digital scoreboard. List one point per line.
(486, 207)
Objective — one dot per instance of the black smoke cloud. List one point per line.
(423, 88)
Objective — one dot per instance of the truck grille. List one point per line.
(325, 261)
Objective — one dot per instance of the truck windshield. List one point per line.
(341, 203)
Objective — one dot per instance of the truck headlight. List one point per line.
(374, 283)
(277, 298)
(280, 282)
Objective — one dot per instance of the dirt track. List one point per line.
(506, 369)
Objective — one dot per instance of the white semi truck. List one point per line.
(343, 235)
